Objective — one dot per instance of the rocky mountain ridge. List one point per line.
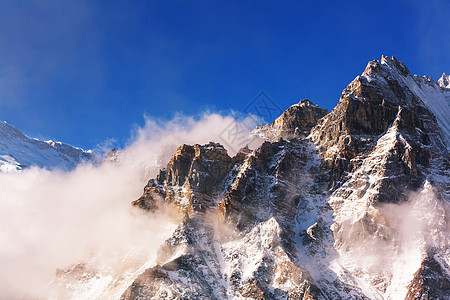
(351, 204)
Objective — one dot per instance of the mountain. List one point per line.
(18, 152)
(444, 81)
(350, 204)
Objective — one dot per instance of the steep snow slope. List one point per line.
(18, 151)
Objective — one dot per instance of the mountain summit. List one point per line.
(351, 204)
(296, 121)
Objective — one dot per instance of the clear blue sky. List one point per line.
(84, 71)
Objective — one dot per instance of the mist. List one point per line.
(53, 219)
(421, 226)
(401, 235)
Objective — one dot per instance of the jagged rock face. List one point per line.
(195, 241)
(430, 281)
(316, 217)
(266, 172)
(383, 100)
(190, 267)
(371, 103)
(380, 143)
(295, 122)
(191, 179)
(255, 257)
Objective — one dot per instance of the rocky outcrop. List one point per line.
(193, 179)
(295, 122)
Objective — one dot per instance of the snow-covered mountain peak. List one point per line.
(305, 103)
(393, 63)
(18, 151)
(444, 81)
(383, 86)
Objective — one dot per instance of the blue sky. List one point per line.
(86, 71)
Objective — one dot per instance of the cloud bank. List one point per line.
(53, 219)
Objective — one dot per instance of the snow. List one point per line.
(248, 253)
(305, 103)
(8, 164)
(18, 151)
(436, 100)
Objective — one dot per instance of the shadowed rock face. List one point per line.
(302, 216)
(430, 281)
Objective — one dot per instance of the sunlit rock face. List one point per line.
(193, 179)
(351, 204)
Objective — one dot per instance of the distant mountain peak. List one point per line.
(305, 103)
(18, 152)
(444, 81)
